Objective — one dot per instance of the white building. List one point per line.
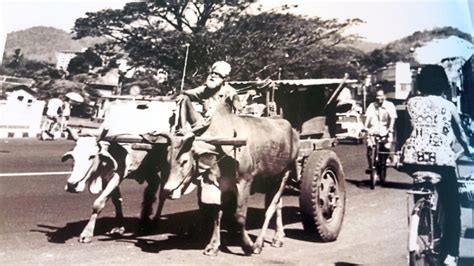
(63, 59)
(20, 114)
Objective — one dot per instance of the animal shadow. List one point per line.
(59, 235)
(182, 230)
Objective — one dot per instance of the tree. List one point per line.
(152, 33)
(83, 62)
(23, 67)
(264, 45)
(16, 59)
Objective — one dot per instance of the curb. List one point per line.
(17, 134)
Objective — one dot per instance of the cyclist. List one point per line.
(436, 125)
(380, 120)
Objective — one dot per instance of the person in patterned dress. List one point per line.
(436, 125)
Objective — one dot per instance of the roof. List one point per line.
(21, 87)
(110, 78)
(140, 98)
(298, 82)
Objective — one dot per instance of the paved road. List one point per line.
(40, 222)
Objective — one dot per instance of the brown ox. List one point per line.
(262, 165)
(102, 166)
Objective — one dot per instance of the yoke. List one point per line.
(141, 143)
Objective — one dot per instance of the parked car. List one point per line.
(349, 126)
(83, 110)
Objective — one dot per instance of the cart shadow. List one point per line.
(183, 230)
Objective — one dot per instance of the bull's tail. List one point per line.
(294, 150)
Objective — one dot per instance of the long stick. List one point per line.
(336, 92)
(185, 64)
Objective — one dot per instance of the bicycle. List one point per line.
(378, 171)
(424, 219)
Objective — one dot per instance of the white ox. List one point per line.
(102, 166)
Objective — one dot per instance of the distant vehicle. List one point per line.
(83, 110)
(349, 127)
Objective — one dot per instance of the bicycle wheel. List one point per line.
(373, 170)
(382, 172)
(373, 177)
(420, 238)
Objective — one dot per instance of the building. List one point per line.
(63, 59)
(21, 113)
(107, 84)
(20, 94)
(9, 82)
(394, 78)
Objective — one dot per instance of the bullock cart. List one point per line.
(310, 106)
(319, 175)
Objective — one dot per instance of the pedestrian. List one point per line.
(66, 113)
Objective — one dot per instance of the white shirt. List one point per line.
(380, 117)
(53, 106)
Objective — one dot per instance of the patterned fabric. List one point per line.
(432, 138)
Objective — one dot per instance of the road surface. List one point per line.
(40, 222)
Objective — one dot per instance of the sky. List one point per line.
(389, 20)
(385, 20)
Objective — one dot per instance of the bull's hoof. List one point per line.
(210, 251)
(117, 231)
(85, 239)
(277, 243)
(257, 249)
(248, 250)
(145, 226)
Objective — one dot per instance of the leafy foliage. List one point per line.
(260, 46)
(18, 65)
(83, 62)
(153, 34)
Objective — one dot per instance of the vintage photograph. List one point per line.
(230, 132)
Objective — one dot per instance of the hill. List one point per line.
(421, 37)
(400, 50)
(43, 43)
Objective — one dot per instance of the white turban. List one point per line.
(222, 68)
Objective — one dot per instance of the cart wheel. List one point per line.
(323, 195)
